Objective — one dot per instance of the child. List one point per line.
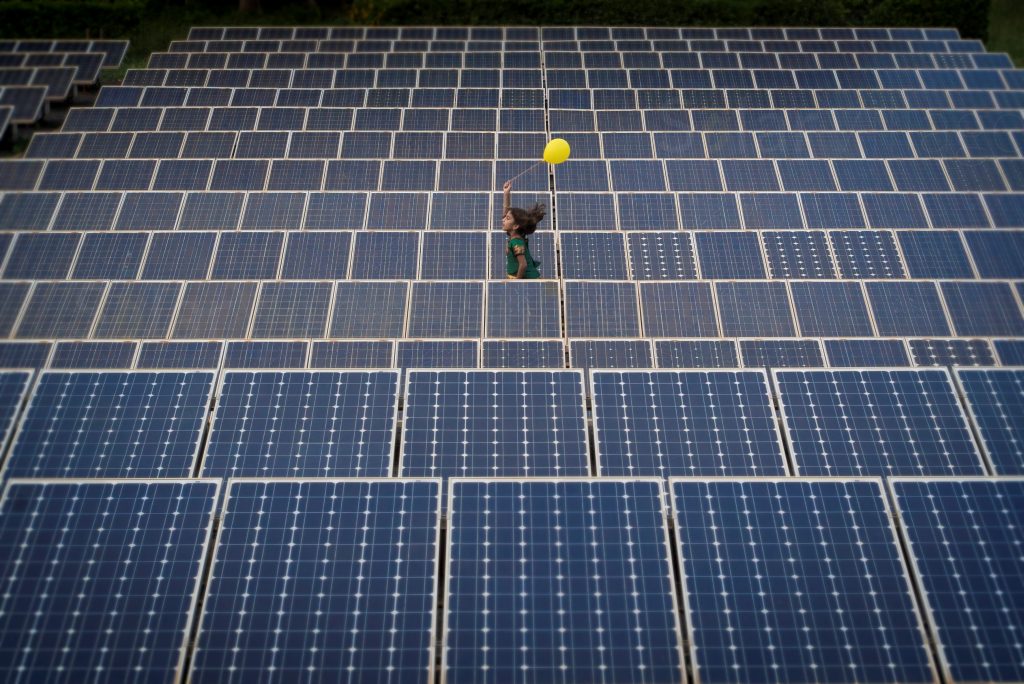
(517, 224)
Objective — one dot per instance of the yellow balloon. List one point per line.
(556, 151)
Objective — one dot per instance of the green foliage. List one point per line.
(69, 18)
(970, 16)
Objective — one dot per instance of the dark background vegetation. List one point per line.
(152, 24)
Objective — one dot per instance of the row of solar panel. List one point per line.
(575, 211)
(229, 91)
(533, 48)
(28, 103)
(113, 50)
(518, 353)
(59, 81)
(575, 58)
(564, 32)
(513, 423)
(584, 566)
(438, 119)
(460, 309)
(461, 255)
(418, 177)
(594, 78)
(87, 65)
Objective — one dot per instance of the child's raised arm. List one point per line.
(508, 197)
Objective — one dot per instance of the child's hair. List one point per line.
(527, 219)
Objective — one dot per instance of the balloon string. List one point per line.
(525, 170)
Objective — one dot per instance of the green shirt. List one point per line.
(513, 248)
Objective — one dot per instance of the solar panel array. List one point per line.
(779, 331)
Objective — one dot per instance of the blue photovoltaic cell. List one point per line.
(756, 309)
(101, 577)
(112, 424)
(41, 256)
(24, 354)
(13, 386)
(175, 256)
(798, 254)
(866, 353)
(585, 211)
(709, 210)
(796, 581)
(729, 255)
(446, 309)
(385, 255)
(997, 254)
(685, 309)
(935, 254)
(667, 423)
(588, 354)
(494, 423)
(523, 309)
(523, 354)
(771, 210)
(317, 255)
(866, 254)
(437, 354)
(601, 309)
(92, 354)
(963, 540)
(994, 399)
(594, 256)
(265, 354)
(335, 211)
(453, 255)
(583, 566)
(303, 424)
(907, 308)
(248, 255)
(983, 309)
(955, 352)
(661, 256)
(830, 309)
(696, 354)
(330, 578)
(781, 354)
(876, 422)
(647, 211)
(369, 309)
(292, 310)
(214, 310)
(179, 355)
(60, 310)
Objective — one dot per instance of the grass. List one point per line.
(1006, 29)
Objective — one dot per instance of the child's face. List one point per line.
(508, 224)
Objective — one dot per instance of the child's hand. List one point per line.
(507, 186)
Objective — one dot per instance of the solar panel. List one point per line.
(446, 309)
(493, 423)
(696, 354)
(265, 354)
(594, 256)
(668, 423)
(982, 308)
(105, 424)
(303, 424)
(292, 310)
(961, 537)
(682, 309)
(437, 354)
(523, 309)
(601, 309)
(994, 399)
(523, 354)
(866, 353)
(118, 607)
(798, 254)
(453, 255)
(754, 309)
(906, 308)
(866, 254)
(592, 555)
(796, 580)
(14, 386)
(214, 310)
(661, 256)
(93, 354)
(179, 355)
(875, 422)
(385, 255)
(955, 352)
(831, 309)
(781, 354)
(60, 310)
(383, 540)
